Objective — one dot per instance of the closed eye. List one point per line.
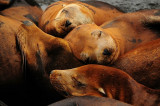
(78, 83)
(65, 11)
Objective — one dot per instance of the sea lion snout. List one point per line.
(68, 23)
(85, 57)
(55, 73)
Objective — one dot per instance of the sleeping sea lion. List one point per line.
(62, 16)
(103, 81)
(103, 45)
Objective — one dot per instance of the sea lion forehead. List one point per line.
(72, 5)
(89, 27)
(85, 30)
(65, 7)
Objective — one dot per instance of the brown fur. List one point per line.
(103, 81)
(97, 12)
(27, 56)
(103, 45)
(142, 64)
(23, 10)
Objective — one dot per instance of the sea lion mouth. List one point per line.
(62, 30)
(56, 84)
(87, 59)
(59, 86)
(66, 29)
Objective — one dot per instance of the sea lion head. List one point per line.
(69, 17)
(92, 44)
(75, 82)
(93, 80)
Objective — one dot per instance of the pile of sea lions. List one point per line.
(86, 53)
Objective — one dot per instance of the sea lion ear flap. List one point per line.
(97, 34)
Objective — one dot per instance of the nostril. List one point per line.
(55, 73)
(106, 52)
(68, 23)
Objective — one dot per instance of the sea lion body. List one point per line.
(27, 56)
(62, 16)
(103, 81)
(103, 45)
(142, 64)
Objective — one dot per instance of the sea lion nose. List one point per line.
(55, 73)
(68, 23)
(106, 52)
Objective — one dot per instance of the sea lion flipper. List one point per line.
(28, 41)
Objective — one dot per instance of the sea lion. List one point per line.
(89, 101)
(27, 55)
(103, 81)
(62, 16)
(23, 10)
(142, 63)
(103, 45)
